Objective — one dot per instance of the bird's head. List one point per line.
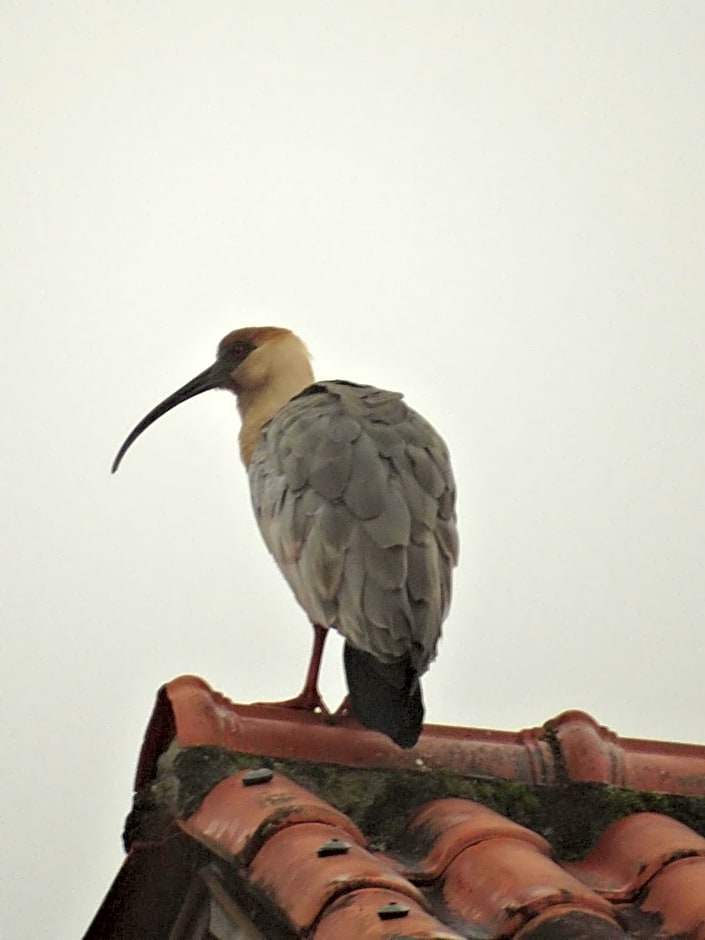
(264, 366)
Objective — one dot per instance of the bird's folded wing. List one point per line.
(355, 498)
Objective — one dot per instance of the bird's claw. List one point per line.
(308, 700)
(343, 715)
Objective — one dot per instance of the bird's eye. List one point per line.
(234, 352)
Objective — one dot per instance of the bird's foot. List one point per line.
(344, 715)
(342, 711)
(308, 700)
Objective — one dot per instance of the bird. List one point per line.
(355, 498)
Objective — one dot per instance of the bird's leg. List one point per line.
(309, 698)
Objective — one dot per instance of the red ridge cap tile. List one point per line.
(289, 870)
(590, 752)
(197, 715)
(632, 850)
(234, 820)
(677, 895)
(453, 824)
(498, 885)
(573, 745)
(565, 923)
(358, 915)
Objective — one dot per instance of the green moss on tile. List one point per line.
(570, 815)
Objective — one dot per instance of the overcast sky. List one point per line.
(495, 207)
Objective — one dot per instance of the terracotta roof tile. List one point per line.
(302, 882)
(362, 914)
(369, 841)
(677, 895)
(234, 820)
(632, 850)
(499, 885)
(449, 826)
(590, 752)
(565, 923)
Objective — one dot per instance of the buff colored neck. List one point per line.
(267, 380)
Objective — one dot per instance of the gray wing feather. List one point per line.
(354, 496)
(387, 567)
(366, 490)
(393, 525)
(331, 468)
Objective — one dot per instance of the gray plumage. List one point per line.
(354, 495)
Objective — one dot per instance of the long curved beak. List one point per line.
(213, 377)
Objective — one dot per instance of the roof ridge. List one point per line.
(317, 831)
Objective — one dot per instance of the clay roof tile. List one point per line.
(306, 829)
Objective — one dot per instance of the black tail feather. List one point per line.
(385, 696)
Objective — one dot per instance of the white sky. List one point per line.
(495, 207)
